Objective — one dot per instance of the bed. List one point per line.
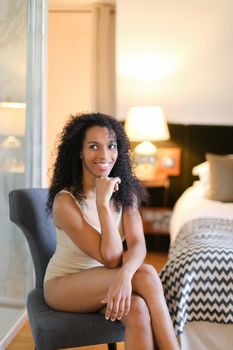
(198, 277)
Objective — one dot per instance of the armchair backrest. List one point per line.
(27, 211)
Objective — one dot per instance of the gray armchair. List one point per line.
(53, 329)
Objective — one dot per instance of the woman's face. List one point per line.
(99, 151)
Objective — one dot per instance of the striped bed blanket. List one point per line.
(198, 277)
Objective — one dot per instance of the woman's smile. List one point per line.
(103, 165)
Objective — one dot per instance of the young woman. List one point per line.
(94, 199)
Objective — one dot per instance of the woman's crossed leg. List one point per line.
(147, 322)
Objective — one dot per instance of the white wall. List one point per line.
(176, 54)
(69, 69)
(81, 66)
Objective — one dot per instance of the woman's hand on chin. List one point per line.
(105, 186)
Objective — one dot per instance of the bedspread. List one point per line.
(198, 277)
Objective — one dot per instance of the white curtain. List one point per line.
(104, 59)
(21, 31)
(13, 19)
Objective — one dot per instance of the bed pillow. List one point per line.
(221, 177)
(203, 172)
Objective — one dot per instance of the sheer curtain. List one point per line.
(104, 58)
(22, 40)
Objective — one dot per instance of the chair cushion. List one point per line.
(55, 329)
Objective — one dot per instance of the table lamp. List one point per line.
(12, 127)
(145, 124)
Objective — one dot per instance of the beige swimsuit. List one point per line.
(68, 257)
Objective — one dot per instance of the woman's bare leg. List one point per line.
(138, 330)
(83, 292)
(147, 284)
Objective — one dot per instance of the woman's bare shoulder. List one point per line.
(64, 207)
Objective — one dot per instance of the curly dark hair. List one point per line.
(67, 172)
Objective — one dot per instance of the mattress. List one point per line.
(194, 204)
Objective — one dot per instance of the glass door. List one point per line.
(21, 138)
(15, 267)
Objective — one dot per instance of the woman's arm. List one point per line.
(68, 216)
(118, 297)
(105, 247)
(111, 242)
(134, 257)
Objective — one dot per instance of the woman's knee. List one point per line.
(138, 315)
(147, 276)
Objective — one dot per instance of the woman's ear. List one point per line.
(81, 155)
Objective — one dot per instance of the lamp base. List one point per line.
(145, 148)
(145, 171)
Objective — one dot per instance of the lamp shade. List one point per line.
(12, 118)
(146, 123)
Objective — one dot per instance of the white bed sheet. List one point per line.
(206, 336)
(192, 204)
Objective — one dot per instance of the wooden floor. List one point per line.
(24, 340)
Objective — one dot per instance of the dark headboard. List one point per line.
(195, 141)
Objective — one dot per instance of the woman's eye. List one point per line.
(93, 147)
(113, 146)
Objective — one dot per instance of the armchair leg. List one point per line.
(112, 346)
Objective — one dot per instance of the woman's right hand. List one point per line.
(118, 297)
(105, 186)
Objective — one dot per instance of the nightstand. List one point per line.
(160, 183)
(156, 221)
(156, 216)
